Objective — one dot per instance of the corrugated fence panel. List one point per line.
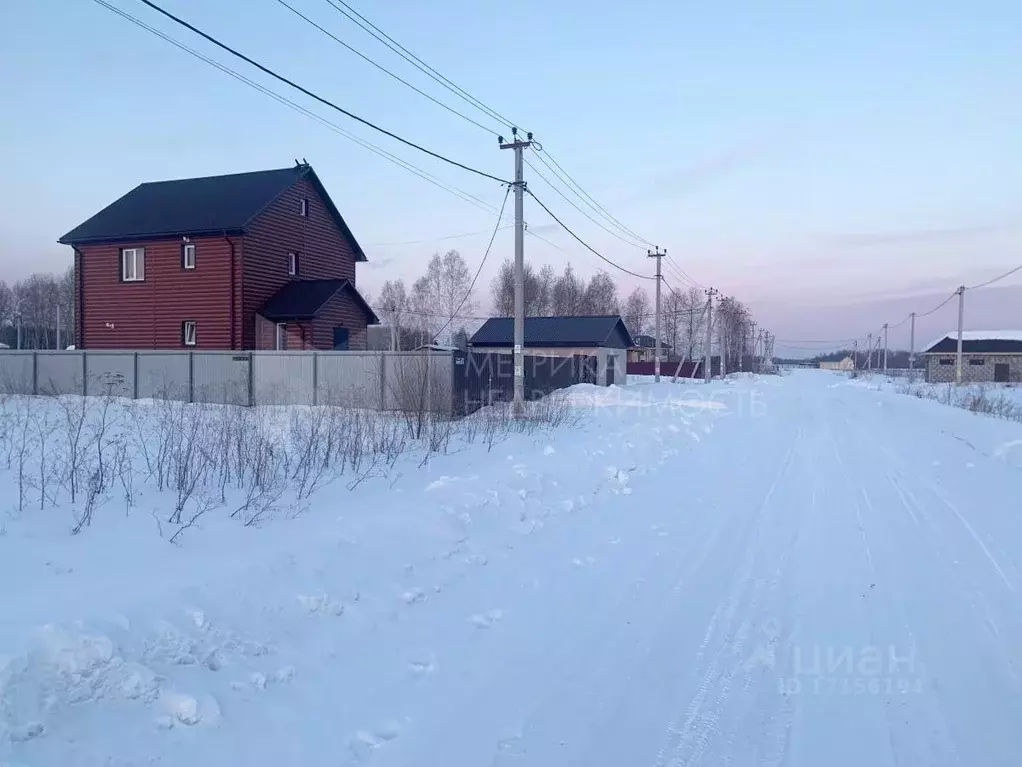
(282, 378)
(349, 379)
(59, 372)
(15, 372)
(413, 381)
(220, 377)
(163, 376)
(112, 374)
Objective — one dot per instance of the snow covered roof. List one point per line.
(978, 342)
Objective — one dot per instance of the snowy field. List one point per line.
(996, 399)
(770, 571)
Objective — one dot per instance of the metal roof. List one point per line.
(302, 299)
(949, 345)
(198, 206)
(556, 331)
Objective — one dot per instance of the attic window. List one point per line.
(303, 208)
(292, 264)
(188, 256)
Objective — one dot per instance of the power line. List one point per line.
(691, 279)
(584, 194)
(317, 97)
(471, 287)
(629, 238)
(383, 69)
(996, 279)
(414, 60)
(573, 204)
(376, 32)
(938, 306)
(584, 243)
(295, 106)
(433, 239)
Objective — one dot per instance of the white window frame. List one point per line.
(185, 326)
(292, 264)
(280, 333)
(303, 207)
(188, 256)
(137, 256)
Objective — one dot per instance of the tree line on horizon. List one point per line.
(442, 306)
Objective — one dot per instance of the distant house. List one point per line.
(987, 355)
(645, 349)
(604, 337)
(259, 260)
(846, 364)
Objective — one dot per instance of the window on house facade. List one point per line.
(188, 332)
(281, 336)
(303, 208)
(132, 264)
(977, 361)
(946, 361)
(292, 264)
(188, 256)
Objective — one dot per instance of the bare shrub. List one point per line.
(199, 506)
(188, 470)
(44, 425)
(125, 466)
(75, 412)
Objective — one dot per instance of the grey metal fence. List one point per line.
(372, 379)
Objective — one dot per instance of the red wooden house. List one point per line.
(258, 260)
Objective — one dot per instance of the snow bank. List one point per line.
(114, 630)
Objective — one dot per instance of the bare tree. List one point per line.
(691, 330)
(537, 290)
(393, 308)
(638, 309)
(567, 294)
(442, 294)
(600, 295)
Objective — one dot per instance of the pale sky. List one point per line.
(826, 162)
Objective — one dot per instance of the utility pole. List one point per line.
(656, 325)
(912, 346)
(722, 339)
(885, 348)
(961, 318)
(869, 352)
(855, 356)
(752, 337)
(708, 372)
(519, 184)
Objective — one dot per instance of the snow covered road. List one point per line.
(789, 571)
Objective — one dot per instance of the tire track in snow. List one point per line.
(689, 734)
(935, 724)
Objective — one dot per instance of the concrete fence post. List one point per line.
(134, 376)
(35, 372)
(191, 376)
(85, 374)
(383, 381)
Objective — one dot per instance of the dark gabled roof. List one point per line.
(198, 206)
(648, 342)
(302, 299)
(949, 345)
(554, 331)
